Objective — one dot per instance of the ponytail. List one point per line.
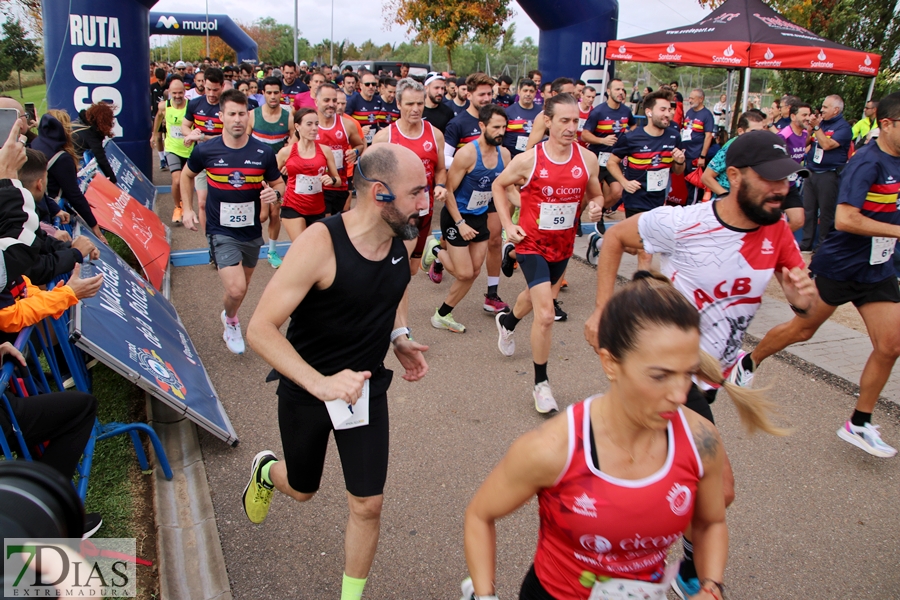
(753, 407)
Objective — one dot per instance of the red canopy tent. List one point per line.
(746, 34)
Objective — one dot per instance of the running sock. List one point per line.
(436, 250)
(748, 363)
(509, 321)
(540, 373)
(859, 419)
(162, 155)
(232, 320)
(272, 246)
(264, 472)
(352, 588)
(445, 309)
(687, 571)
(493, 282)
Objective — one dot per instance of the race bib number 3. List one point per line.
(232, 214)
(478, 200)
(882, 250)
(603, 158)
(657, 181)
(307, 184)
(521, 143)
(556, 217)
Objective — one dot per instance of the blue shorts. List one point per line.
(537, 270)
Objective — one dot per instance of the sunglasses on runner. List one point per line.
(370, 84)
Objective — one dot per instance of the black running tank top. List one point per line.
(349, 324)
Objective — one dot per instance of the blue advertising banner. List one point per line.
(134, 330)
(129, 178)
(199, 24)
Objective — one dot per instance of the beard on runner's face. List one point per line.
(405, 228)
(661, 122)
(493, 141)
(754, 207)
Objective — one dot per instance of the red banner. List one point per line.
(139, 227)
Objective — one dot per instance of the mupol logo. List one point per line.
(167, 22)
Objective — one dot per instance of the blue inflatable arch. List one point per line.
(94, 52)
(197, 24)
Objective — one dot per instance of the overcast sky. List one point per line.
(359, 20)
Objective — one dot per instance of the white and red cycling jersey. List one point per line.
(723, 271)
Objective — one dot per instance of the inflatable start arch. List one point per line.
(95, 51)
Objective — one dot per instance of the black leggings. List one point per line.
(532, 588)
(65, 419)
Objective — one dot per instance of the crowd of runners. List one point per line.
(355, 164)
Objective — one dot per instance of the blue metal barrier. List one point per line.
(31, 386)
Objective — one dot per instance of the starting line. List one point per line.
(200, 256)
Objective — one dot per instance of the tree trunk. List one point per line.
(21, 95)
(449, 59)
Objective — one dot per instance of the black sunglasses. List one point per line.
(370, 84)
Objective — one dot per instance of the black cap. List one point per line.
(765, 153)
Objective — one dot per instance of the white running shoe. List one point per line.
(866, 437)
(593, 249)
(505, 342)
(468, 589)
(544, 401)
(739, 375)
(232, 336)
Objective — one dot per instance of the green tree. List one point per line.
(867, 25)
(19, 51)
(449, 23)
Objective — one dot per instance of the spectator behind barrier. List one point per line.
(93, 126)
(55, 141)
(55, 257)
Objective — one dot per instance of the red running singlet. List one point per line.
(425, 148)
(551, 199)
(337, 139)
(594, 525)
(304, 185)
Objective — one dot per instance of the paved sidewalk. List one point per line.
(835, 348)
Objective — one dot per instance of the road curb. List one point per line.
(191, 561)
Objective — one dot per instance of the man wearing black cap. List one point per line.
(854, 264)
(724, 253)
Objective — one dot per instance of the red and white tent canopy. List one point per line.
(746, 34)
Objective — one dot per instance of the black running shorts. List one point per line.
(335, 200)
(836, 293)
(290, 213)
(363, 450)
(451, 233)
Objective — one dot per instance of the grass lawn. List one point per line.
(35, 93)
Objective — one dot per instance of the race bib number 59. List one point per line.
(556, 217)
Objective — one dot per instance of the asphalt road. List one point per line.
(814, 517)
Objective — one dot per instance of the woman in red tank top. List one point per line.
(308, 166)
(620, 475)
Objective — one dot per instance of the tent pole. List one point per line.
(871, 91)
(728, 110)
(746, 97)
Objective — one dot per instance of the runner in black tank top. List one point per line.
(343, 286)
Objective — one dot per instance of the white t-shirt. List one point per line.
(721, 270)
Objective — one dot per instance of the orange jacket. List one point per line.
(35, 305)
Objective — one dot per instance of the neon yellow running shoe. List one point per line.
(258, 494)
(447, 322)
